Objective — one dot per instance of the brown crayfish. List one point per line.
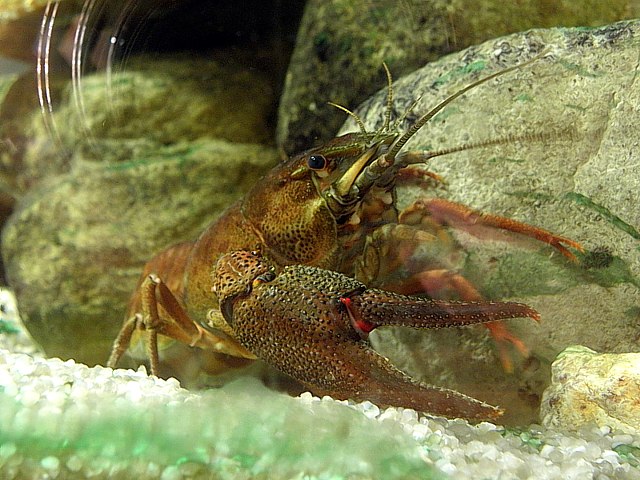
(332, 207)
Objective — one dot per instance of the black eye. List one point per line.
(266, 277)
(316, 162)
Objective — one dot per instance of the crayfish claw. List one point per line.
(312, 324)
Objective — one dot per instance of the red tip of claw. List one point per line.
(360, 325)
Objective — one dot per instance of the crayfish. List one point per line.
(332, 207)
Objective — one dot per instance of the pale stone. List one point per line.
(590, 387)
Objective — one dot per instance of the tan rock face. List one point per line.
(588, 387)
(579, 182)
(14, 9)
(114, 118)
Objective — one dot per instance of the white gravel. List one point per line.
(66, 420)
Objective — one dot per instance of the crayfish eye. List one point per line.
(317, 162)
(266, 277)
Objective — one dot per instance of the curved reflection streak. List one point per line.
(117, 41)
(43, 69)
(96, 42)
(77, 64)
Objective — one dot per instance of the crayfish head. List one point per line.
(295, 210)
(337, 169)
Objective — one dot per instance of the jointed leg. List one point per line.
(431, 277)
(445, 212)
(175, 324)
(123, 340)
(432, 280)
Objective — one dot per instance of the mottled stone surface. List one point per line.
(115, 117)
(13, 9)
(342, 44)
(588, 387)
(579, 182)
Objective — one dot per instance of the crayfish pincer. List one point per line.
(312, 324)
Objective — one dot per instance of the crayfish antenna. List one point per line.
(389, 106)
(397, 146)
(352, 114)
(411, 158)
(387, 112)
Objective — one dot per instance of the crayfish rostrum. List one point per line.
(332, 207)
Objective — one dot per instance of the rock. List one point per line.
(208, 98)
(14, 9)
(153, 101)
(589, 387)
(579, 182)
(75, 247)
(342, 44)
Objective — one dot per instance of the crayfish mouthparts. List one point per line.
(312, 324)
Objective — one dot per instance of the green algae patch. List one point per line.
(7, 327)
(607, 214)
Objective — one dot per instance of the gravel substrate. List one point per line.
(66, 420)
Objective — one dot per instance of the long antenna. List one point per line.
(393, 151)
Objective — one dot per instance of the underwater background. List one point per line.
(127, 127)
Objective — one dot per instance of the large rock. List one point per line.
(581, 182)
(341, 46)
(120, 116)
(588, 387)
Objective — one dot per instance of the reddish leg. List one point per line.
(174, 323)
(434, 213)
(432, 281)
(445, 212)
(422, 177)
(435, 276)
